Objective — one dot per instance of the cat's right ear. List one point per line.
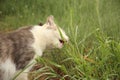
(50, 22)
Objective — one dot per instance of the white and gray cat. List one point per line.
(20, 47)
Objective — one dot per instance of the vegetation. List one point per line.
(93, 26)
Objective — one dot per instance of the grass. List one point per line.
(93, 52)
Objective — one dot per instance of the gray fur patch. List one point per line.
(17, 46)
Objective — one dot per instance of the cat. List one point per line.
(19, 48)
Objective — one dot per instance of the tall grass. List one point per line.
(92, 25)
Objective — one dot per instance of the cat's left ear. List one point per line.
(50, 22)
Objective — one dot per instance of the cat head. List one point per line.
(55, 35)
(49, 35)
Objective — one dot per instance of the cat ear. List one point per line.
(50, 22)
(40, 24)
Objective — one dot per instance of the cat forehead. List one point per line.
(44, 28)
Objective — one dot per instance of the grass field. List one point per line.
(93, 26)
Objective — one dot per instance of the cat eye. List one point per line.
(61, 41)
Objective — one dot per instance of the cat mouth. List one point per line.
(61, 41)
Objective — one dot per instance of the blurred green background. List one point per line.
(92, 25)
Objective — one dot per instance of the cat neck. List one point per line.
(39, 43)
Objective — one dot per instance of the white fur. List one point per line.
(39, 41)
(8, 68)
(46, 38)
